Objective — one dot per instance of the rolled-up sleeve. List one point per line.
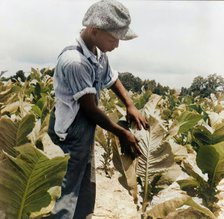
(80, 78)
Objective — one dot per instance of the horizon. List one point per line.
(178, 40)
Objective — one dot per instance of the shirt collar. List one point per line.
(87, 53)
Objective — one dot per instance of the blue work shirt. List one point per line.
(75, 75)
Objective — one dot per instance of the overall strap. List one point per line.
(78, 48)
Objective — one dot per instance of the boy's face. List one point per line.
(105, 41)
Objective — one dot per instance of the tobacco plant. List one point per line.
(30, 178)
(158, 147)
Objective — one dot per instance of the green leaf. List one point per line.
(210, 159)
(25, 126)
(37, 110)
(187, 120)
(26, 179)
(14, 134)
(203, 136)
(8, 135)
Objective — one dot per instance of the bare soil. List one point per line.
(112, 201)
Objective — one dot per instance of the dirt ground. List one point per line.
(112, 201)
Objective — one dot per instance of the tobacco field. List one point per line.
(179, 174)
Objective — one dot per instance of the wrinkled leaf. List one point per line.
(156, 155)
(163, 209)
(127, 167)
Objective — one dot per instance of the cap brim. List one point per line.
(123, 34)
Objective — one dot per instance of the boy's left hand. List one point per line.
(133, 115)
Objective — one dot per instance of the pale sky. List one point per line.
(178, 40)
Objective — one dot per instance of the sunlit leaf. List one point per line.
(163, 209)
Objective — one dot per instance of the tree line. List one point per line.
(201, 86)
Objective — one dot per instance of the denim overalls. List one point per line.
(78, 188)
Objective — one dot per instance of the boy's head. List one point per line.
(110, 16)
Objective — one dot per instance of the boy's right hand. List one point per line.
(129, 144)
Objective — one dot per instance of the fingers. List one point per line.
(137, 148)
(145, 124)
(129, 145)
(140, 122)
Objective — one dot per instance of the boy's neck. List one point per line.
(86, 36)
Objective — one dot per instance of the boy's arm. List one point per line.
(95, 114)
(132, 113)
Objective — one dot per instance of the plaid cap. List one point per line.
(111, 16)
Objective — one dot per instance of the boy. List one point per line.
(81, 72)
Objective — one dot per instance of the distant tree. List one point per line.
(214, 83)
(197, 87)
(203, 87)
(135, 84)
(131, 82)
(162, 90)
(149, 85)
(20, 75)
(184, 91)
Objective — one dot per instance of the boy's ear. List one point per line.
(94, 31)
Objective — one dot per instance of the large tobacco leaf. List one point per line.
(26, 179)
(156, 154)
